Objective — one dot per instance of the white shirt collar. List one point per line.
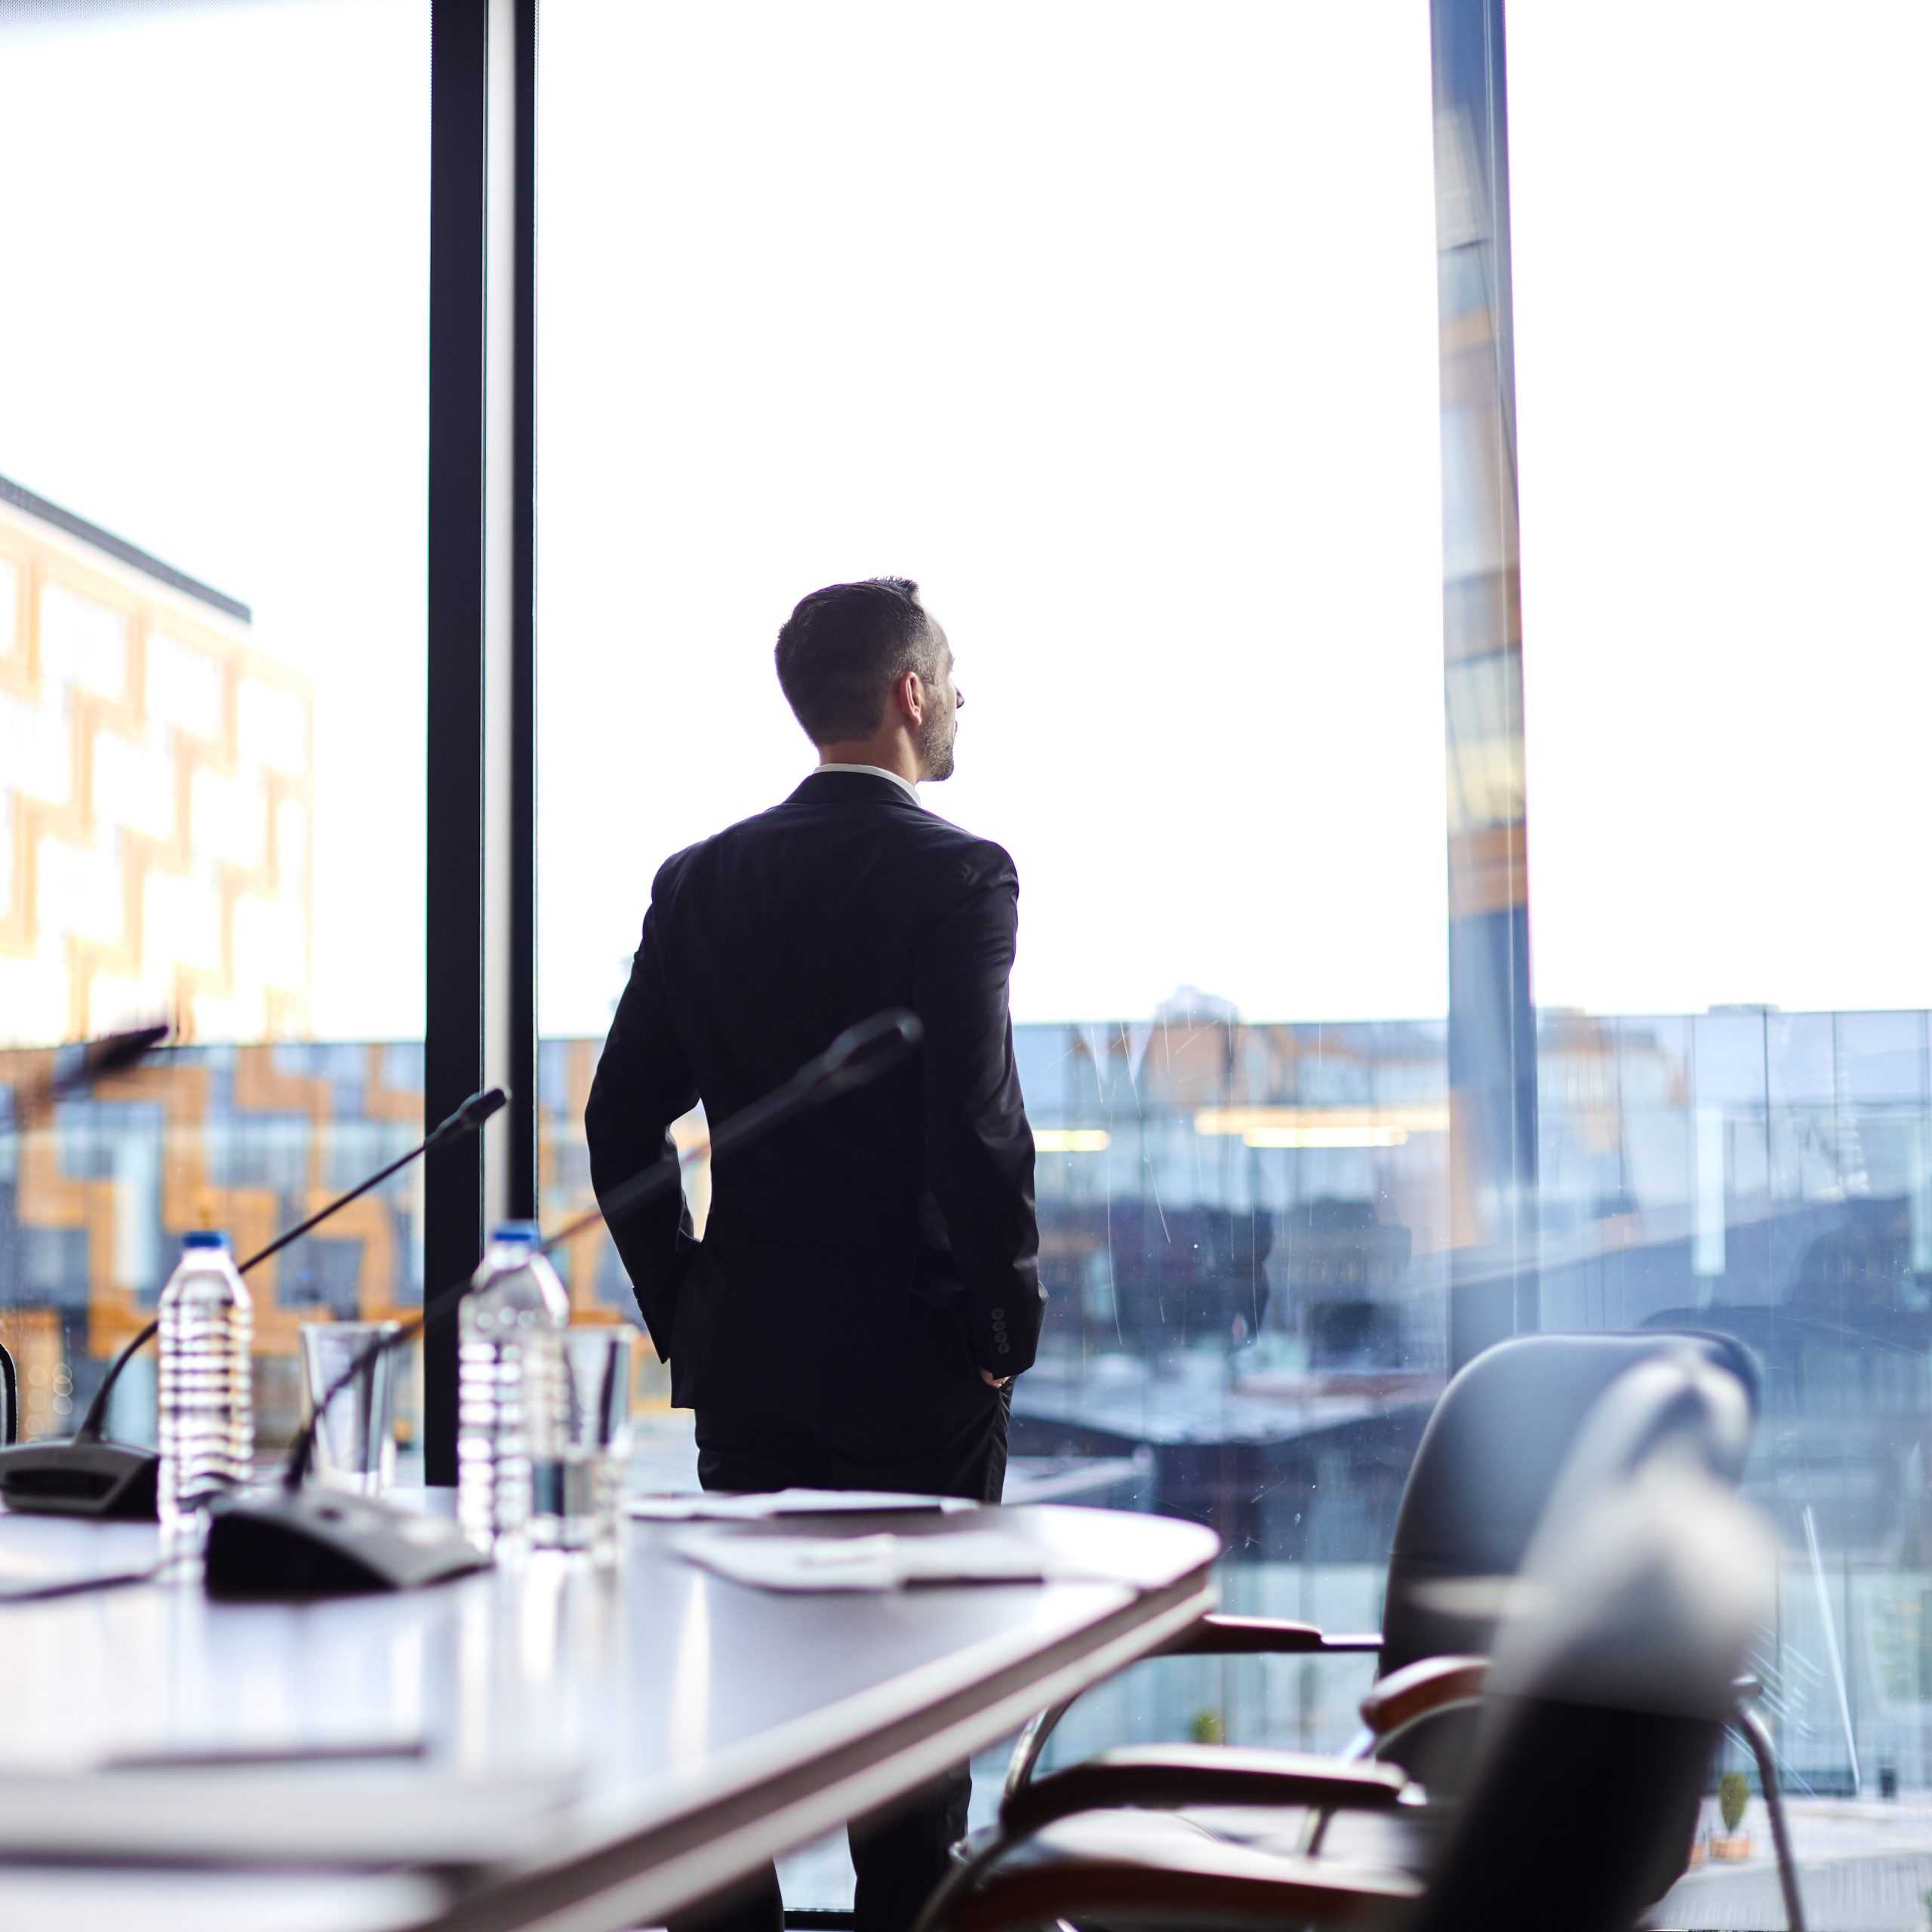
(880, 771)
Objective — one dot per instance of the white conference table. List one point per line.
(555, 1746)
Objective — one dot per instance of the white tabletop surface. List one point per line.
(575, 1747)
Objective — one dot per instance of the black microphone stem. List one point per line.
(859, 1054)
(440, 1304)
(467, 1118)
(342, 1201)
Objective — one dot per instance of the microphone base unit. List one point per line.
(297, 1544)
(81, 1476)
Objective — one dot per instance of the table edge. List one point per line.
(640, 1878)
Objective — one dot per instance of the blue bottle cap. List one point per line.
(204, 1237)
(516, 1231)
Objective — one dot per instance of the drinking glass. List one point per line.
(355, 1445)
(578, 1472)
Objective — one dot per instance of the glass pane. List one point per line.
(1724, 404)
(1116, 328)
(211, 588)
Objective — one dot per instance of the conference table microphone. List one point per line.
(113, 1053)
(298, 1542)
(88, 1473)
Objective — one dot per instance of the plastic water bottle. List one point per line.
(509, 1383)
(207, 1415)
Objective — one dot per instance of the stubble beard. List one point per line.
(936, 739)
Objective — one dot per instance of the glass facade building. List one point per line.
(1245, 1239)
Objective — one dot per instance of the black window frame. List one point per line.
(481, 862)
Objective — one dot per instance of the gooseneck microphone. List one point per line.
(859, 1054)
(468, 1119)
(302, 1543)
(112, 1053)
(86, 1474)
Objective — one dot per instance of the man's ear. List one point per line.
(910, 695)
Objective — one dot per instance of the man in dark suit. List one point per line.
(868, 1284)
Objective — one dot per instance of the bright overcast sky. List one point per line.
(1115, 325)
(214, 345)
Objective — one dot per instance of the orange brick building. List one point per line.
(156, 793)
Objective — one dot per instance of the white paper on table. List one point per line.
(880, 1562)
(770, 1506)
(364, 1814)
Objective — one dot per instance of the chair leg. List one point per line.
(1032, 1741)
(1359, 1749)
(1019, 1769)
(1750, 1727)
(960, 1878)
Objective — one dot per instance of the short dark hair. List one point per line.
(844, 647)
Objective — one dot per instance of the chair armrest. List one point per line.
(1420, 1689)
(1211, 1636)
(1172, 1775)
(1218, 1636)
(1192, 1883)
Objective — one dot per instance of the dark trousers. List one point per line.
(899, 1855)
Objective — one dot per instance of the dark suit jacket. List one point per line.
(870, 1258)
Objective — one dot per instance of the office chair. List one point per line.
(1613, 1673)
(1482, 1474)
(1674, 1408)
(1522, 1437)
(10, 1398)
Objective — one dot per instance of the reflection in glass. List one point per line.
(1724, 739)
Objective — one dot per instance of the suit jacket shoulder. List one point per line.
(962, 863)
(953, 859)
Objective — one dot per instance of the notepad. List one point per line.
(878, 1562)
(777, 1504)
(322, 1813)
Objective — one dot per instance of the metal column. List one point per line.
(1492, 1022)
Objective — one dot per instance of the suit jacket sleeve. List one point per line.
(978, 1147)
(643, 1084)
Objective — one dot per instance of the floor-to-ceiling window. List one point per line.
(212, 437)
(1724, 290)
(1116, 328)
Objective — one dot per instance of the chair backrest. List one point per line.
(1607, 1696)
(10, 1398)
(1488, 1462)
(1675, 1406)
